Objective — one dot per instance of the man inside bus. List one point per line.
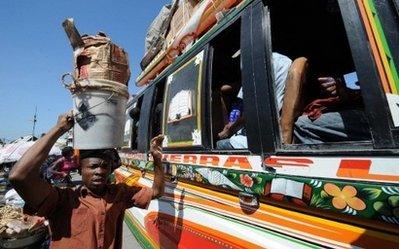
(233, 136)
(336, 118)
(88, 216)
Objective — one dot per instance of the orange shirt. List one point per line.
(79, 219)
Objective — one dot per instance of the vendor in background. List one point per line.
(61, 169)
(88, 216)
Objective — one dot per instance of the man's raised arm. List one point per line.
(25, 174)
(159, 181)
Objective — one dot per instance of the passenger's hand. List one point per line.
(333, 87)
(65, 121)
(156, 147)
(329, 85)
(226, 132)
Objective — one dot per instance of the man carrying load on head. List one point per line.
(87, 216)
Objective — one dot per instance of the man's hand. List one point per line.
(65, 121)
(156, 147)
(156, 151)
(333, 87)
(25, 172)
(226, 132)
(329, 85)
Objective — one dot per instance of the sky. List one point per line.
(35, 52)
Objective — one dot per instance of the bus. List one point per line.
(274, 192)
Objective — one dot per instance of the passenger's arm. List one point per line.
(231, 128)
(25, 174)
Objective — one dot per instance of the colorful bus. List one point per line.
(275, 192)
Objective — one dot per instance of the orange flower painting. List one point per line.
(246, 180)
(344, 197)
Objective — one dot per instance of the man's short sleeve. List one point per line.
(47, 207)
(139, 197)
(281, 66)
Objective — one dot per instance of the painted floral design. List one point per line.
(216, 178)
(345, 197)
(389, 208)
(246, 180)
(365, 200)
(198, 177)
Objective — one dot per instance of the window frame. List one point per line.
(375, 102)
(249, 125)
(382, 141)
(206, 91)
(199, 109)
(143, 139)
(159, 89)
(389, 17)
(253, 74)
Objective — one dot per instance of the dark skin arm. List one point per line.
(158, 186)
(25, 173)
(232, 128)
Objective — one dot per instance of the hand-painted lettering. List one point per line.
(190, 159)
(175, 158)
(287, 161)
(237, 161)
(209, 160)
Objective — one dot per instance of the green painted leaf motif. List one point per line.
(323, 194)
(371, 193)
(382, 208)
(149, 165)
(316, 200)
(313, 201)
(320, 201)
(232, 175)
(142, 164)
(394, 201)
(258, 180)
(258, 189)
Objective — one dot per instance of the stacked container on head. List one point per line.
(99, 89)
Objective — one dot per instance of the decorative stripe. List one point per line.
(374, 47)
(385, 50)
(387, 71)
(139, 232)
(192, 233)
(302, 226)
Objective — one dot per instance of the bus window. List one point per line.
(127, 135)
(322, 102)
(134, 114)
(157, 109)
(228, 123)
(182, 117)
